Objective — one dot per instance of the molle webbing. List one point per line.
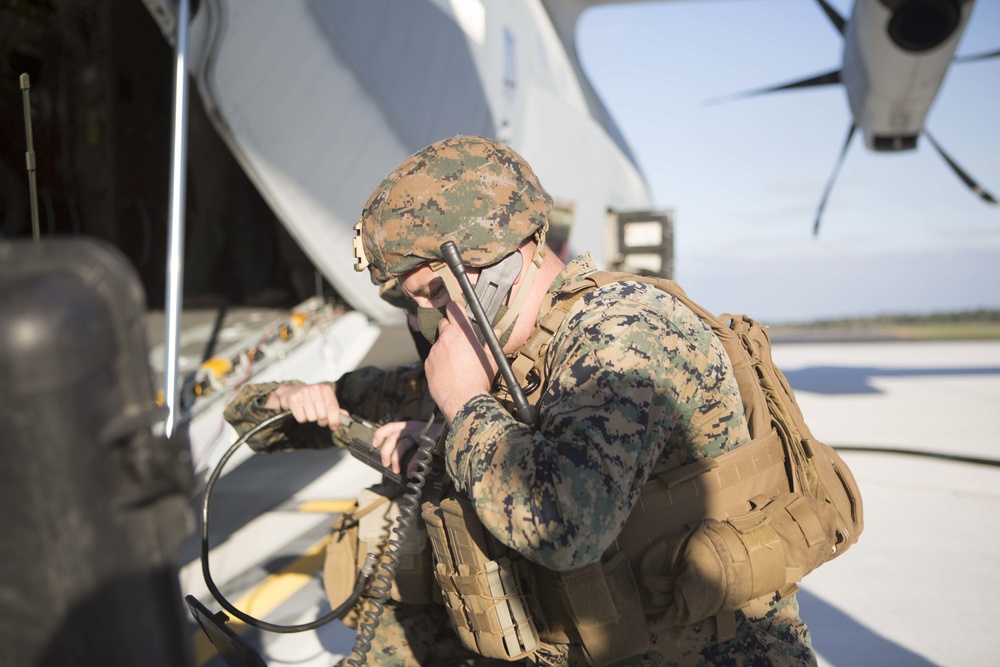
(597, 607)
(710, 488)
(531, 355)
(766, 513)
(480, 584)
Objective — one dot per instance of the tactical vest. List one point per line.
(704, 540)
(781, 442)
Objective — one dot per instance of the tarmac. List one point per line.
(918, 589)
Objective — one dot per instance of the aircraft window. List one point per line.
(639, 234)
(509, 63)
(645, 242)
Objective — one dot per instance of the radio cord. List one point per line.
(367, 569)
(390, 562)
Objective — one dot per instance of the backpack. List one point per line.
(783, 504)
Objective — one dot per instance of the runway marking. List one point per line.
(267, 596)
(325, 506)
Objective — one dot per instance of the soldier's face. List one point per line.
(426, 288)
(428, 291)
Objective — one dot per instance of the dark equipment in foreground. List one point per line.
(88, 570)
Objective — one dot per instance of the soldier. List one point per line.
(628, 383)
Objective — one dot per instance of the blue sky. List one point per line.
(901, 234)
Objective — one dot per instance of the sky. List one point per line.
(901, 234)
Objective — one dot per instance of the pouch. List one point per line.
(366, 529)
(480, 582)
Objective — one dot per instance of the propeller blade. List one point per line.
(975, 187)
(835, 18)
(976, 56)
(833, 177)
(826, 79)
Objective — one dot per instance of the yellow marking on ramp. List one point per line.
(326, 506)
(267, 596)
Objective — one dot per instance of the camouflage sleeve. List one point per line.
(632, 373)
(386, 395)
(375, 394)
(247, 410)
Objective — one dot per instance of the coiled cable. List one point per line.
(387, 573)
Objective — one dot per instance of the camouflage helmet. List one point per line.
(474, 191)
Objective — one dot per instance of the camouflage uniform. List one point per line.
(633, 381)
(379, 395)
(408, 635)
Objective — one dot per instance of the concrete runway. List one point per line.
(918, 589)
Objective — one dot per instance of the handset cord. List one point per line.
(390, 561)
(367, 569)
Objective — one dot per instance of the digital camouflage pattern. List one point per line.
(635, 380)
(418, 636)
(376, 394)
(474, 191)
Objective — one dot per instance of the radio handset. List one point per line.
(359, 439)
(524, 412)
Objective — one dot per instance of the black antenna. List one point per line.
(30, 155)
(523, 410)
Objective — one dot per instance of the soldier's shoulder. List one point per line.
(630, 300)
(636, 314)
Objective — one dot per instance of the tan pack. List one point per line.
(753, 521)
(714, 567)
(366, 529)
(501, 604)
(597, 607)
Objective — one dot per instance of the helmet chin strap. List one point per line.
(506, 324)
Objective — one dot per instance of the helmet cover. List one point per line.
(474, 191)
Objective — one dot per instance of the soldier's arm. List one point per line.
(400, 394)
(376, 394)
(623, 380)
(249, 409)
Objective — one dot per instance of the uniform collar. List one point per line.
(571, 279)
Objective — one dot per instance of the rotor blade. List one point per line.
(833, 177)
(975, 187)
(976, 56)
(826, 79)
(835, 18)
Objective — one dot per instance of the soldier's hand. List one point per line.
(395, 439)
(458, 367)
(307, 403)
